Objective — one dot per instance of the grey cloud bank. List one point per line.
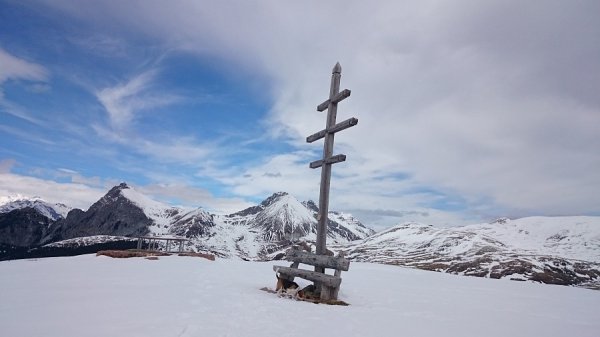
(475, 109)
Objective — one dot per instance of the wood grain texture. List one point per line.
(326, 261)
(324, 279)
(350, 122)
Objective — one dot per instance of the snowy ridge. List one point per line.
(87, 241)
(52, 211)
(575, 237)
(161, 214)
(561, 250)
(351, 223)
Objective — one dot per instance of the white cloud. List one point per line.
(14, 68)
(380, 219)
(100, 44)
(81, 191)
(30, 137)
(123, 101)
(72, 194)
(189, 196)
(6, 165)
(286, 172)
(167, 149)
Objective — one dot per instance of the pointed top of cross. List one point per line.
(337, 68)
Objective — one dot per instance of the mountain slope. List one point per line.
(351, 224)
(574, 237)
(52, 211)
(24, 221)
(284, 217)
(23, 227)
(538, 249)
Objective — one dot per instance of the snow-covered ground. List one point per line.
(186, 296)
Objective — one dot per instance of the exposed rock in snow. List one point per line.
(23, 227)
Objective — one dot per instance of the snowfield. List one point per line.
(186, 296)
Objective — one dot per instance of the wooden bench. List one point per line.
(329, 285)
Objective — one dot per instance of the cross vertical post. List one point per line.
(326, 168)
(335, 96)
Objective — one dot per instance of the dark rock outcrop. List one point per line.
(113, 214)
(23, 227)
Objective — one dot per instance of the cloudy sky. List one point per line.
(468, 110)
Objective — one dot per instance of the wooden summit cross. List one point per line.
(327, 286)
(335, 96)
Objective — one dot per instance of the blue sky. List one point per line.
(467, 112)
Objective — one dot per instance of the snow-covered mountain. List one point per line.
(260, 230)
(351, 224)
(250, 234)
(52, 211)
(114, 214)
(274, 224)
(560, 250)
(574, 237)
(25, 221)
(283, 217)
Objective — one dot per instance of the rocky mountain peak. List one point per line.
(311, 205)
(500, 221)
(117, 189)
(273, 198)
(112, 196)
(253, 210)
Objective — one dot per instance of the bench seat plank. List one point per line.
(328, 280)
(325, 261)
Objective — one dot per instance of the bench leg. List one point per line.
(335, 293)
(329, 293)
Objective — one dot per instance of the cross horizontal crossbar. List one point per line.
(331, 160)
(338, 127)
(336, 99)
